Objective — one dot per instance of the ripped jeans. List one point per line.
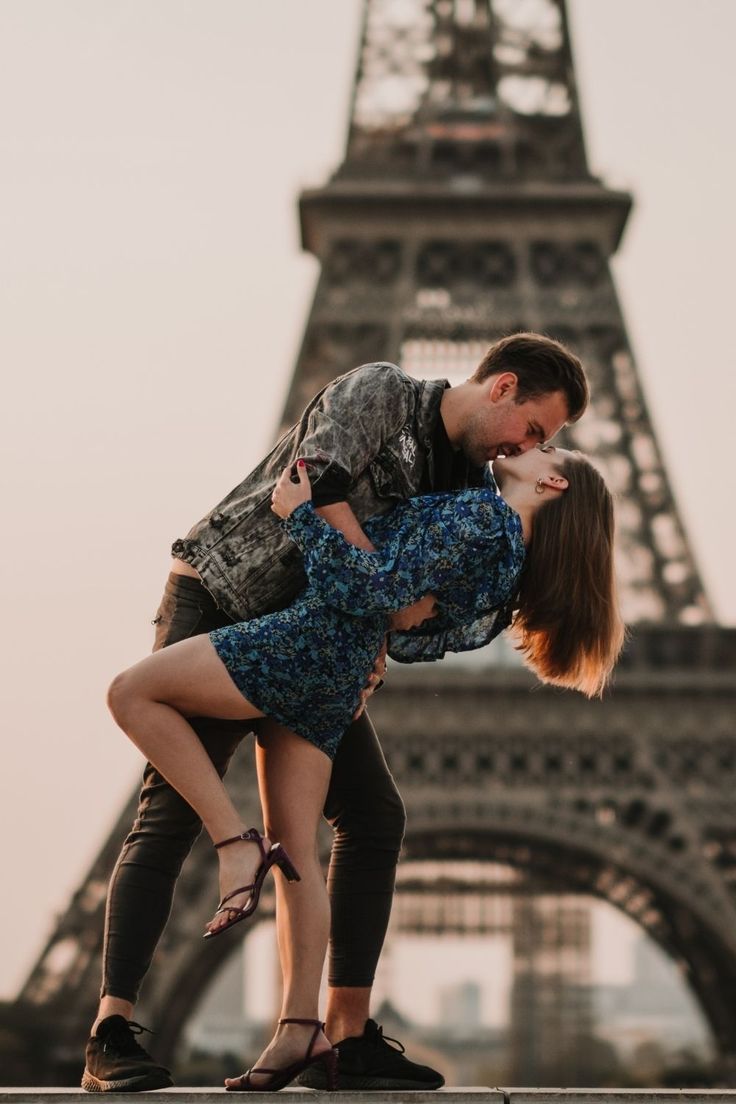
(363, 807)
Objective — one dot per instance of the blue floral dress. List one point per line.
(306, 665)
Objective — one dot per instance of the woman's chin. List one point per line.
(498, 467)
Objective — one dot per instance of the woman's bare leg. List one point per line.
(293, 776)
(151, 702)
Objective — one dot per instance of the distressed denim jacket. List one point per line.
(370, 431)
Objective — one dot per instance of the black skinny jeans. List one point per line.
(363, 806)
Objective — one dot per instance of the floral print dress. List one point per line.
(305, 666)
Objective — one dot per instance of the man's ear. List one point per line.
(555, 482)
(503, 386)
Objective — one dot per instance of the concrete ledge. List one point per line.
(619, 1096)
(474, 1095)
(477, 1094)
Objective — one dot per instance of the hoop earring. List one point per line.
(539, 486)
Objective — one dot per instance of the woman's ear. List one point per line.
(555, 482)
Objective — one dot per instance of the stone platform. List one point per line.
(478, 1094)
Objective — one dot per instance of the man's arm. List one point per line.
(346, 428)
(357, 413)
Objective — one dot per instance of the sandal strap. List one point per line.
(318, 1026)
(235, 892)
(252, 834)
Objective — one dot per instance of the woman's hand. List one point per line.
(375, 679)
(287, 495)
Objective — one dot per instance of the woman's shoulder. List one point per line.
(472, 513)
(484, 504)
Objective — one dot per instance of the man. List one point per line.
(370, 438)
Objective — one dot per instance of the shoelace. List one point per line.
(381, 1038)
(121, 1039)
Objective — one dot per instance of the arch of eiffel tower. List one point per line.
(464, 209)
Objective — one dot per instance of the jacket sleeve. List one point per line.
(411, 563)
(348, 425)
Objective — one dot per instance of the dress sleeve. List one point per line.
(417, 646)
(360, 582)
(428, 544)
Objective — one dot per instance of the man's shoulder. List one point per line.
(388, 380)
(380, 389)
(382, 370)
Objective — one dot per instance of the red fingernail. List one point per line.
(300, 463)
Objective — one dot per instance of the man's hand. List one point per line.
(375, 679)
(413, 615)
(288, 495)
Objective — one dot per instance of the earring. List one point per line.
(539, 486)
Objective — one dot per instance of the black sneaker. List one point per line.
(370, 1062)
(116, 1062)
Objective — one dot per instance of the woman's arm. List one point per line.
(360, 582)
(444, 541)
(348, 577)
(341, 517)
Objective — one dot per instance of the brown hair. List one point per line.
(568, 624)
(542, 365)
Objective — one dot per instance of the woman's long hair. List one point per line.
(567, 622)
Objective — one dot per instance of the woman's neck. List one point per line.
(515, 496)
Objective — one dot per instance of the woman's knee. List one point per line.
(122, 695)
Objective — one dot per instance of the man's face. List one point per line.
(501, 426)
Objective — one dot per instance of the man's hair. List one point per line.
(541, 365)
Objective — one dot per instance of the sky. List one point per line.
(153, 297)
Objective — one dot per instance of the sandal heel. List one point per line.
(282, 860)
(329, 1061)
(279, 1078)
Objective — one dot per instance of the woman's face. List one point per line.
(528, 467)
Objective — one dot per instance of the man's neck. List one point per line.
(451, 406)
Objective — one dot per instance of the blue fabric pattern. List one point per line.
(306, 665)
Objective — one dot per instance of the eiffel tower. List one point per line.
(464, 209)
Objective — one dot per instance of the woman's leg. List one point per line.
(293, 776)
(151, 702)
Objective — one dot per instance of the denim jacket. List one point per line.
(370, 431)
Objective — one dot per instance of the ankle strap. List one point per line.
(316, 1024)
(252, 834)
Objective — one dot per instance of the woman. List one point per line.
(544, 548)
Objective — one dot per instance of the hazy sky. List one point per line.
(153, 298)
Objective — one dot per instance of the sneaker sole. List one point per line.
(347, 1081)
(146, 1081)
